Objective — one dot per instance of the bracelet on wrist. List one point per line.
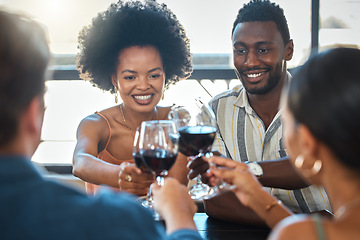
(273, 204)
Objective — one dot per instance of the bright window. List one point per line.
(208, 24)
(339, 24)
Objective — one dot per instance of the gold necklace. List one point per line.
(126, 124)
(341, 211)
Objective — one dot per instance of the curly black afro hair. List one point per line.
(264, 10)
(134, 23)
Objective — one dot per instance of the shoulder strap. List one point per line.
(107, 121)
(319, 227)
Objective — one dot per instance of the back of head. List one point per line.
(324, 95)
(24, 57)
(263, 11)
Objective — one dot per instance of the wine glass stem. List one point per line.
(198, 180)
(148, 200)
(149, 195)
(160, 180)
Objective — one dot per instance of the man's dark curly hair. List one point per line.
(264, 10)
(126, 24)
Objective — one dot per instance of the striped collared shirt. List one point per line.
(241, 136)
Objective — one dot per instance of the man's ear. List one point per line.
(289, 50)
(34, 115)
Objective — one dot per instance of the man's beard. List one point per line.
(270, 85)
(272, 82)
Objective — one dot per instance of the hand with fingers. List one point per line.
(200, 166)
(174, 204)
(133, 180)
(249, 191)
(237, 174)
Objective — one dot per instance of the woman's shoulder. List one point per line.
(100, 116)
(94, 126)
(295, 227)
(92, 119)
(98, 120)
(109, 112)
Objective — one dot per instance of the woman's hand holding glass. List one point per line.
(158, 148)
(143, 170)
(133, 180)
(238, 177)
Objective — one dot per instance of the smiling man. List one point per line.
(248, 116)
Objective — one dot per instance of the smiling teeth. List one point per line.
(254, 75)
(145, 97)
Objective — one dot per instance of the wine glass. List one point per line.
(158, 147)
(147, 202)
(197, 129)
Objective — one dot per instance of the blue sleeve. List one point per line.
(184, 234)
(122, 217)
(129, 220)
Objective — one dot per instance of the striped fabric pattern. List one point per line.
(241, 136)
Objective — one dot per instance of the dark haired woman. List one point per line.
(134, 50)
(322, 135)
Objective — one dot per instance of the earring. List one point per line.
(299, 161)
(162, 97)
(116, 95)
(316, 167)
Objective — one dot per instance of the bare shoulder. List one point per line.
(295, 227)
(304, 227)
(98, 119)
(92, 120)
(96, 124)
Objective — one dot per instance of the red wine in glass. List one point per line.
(196, 139)
(158, 160)
(147, 202)
(140, 163)
(158, 147)
(197, 129)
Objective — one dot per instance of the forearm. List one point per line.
(281, 174)
(179, 219)
(174, 204)
(227, 206)
(268, 208)
(94, 170)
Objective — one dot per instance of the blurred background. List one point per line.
(208, 24)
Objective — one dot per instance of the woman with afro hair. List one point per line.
(134, 50)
